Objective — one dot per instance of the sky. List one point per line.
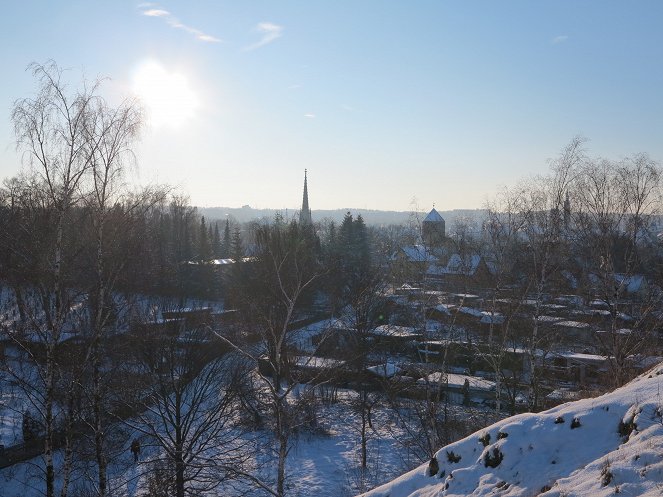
(389, 104)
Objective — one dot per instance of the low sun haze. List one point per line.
(382, 101)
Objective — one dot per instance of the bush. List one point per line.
(625, 429)
(493, 460)
(453, 458)
(433, 466)
(606, 474)
(575, 423)
(485, 439)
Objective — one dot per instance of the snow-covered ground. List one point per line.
(592, 447)
(324, 463)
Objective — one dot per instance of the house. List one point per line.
(575, 333)
(394, 337)
(459, 388)
(580, 368)
(415, 254)
(409, 263)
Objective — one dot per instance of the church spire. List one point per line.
(305, 213)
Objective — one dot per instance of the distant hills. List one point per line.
(371, 217)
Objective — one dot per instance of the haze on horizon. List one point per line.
(381, 101)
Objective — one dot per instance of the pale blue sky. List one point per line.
(381, 100)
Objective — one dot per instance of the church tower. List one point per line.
(433, 229)
(305, 213)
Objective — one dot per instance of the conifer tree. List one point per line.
(227, 242)
(236, 246)
(204, 249)
(361, 245)
(216, 241)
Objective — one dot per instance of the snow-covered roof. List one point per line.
(572, 324)
(317, 362)
(492, 317)
(394, 331)
(620, 331)
(563, 395)
(457, 380)
(632, 283)
(549, 319)
(477, 313)
(583, 357)
(385, 370)
(457, 265)
(433, 217)
(416, 253)
(444, 308)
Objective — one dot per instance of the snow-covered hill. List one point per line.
(593, 447)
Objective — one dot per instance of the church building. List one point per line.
(433, 229)
(305, 212)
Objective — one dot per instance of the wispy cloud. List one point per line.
(174, 22)
(559, 39)
(309, 115)
(269, 32)
(156, 13)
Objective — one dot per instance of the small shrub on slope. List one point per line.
(433, 466)
(453, 458)
(606, 474)
(492, 460)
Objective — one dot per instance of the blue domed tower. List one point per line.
(433, 229)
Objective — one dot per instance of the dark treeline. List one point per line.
(155, 243)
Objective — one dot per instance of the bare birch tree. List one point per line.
(52, 132)
(614, 204)
(272, 296)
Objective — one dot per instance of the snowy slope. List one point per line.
(591, 447)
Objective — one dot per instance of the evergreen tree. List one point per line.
(235, 283)
(216, 241)
(236, 246)
(346, 235)
(361, 244)
(204, 249)
(227, 242)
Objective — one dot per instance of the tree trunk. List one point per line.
(363, 433)
(179, 474)
(99, 430)
(48, 421)
(282, 434)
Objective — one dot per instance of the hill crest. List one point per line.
(599, 447)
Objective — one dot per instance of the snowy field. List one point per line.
(324, 463)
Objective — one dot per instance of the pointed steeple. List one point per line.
(305, 213)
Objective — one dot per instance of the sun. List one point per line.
(167, 96)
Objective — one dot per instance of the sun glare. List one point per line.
(167, 97)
